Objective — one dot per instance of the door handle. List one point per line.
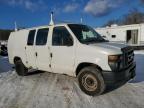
(51, 55)
(36, 54)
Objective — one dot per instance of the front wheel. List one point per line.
(91, 81)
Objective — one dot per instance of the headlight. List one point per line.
(115, 62)
(113, 58)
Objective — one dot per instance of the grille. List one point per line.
(128, 56)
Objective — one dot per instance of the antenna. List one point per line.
(51, 20)
(16, 26)
(81, 20)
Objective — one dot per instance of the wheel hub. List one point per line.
(89, 82)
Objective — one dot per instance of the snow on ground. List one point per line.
(47, 90)
(4, 65)
(139, 58)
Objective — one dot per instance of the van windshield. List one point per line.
(86, 34)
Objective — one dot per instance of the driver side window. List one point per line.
(61, 37)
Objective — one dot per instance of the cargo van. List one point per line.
(73, 49)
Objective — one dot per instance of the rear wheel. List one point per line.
(91, 81)
(20, 68)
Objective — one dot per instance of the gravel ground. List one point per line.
(47, 90)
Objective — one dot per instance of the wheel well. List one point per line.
(16, 59)
(82, 65)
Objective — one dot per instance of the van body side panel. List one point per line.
(10, 48)
(16, 45)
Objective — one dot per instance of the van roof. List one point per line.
(44, 26)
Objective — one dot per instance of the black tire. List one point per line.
(20, 68)
(91, 81)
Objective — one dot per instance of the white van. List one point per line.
(72, 49)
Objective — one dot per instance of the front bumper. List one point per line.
(114, 78)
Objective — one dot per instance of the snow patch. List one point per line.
(139, 58)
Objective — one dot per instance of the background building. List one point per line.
(127, 34)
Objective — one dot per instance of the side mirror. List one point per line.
(104, 36)
(70, 44)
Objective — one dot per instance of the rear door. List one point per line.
(30, 50)
(42, 52)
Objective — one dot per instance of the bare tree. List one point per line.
(132, 17)
(4, 34)
(111, 22)
(142, 1)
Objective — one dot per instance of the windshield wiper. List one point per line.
(94, 40)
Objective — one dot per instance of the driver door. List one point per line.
(62, 51)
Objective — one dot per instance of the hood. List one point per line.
(110, 47)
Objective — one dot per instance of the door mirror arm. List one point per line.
(70, 44)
